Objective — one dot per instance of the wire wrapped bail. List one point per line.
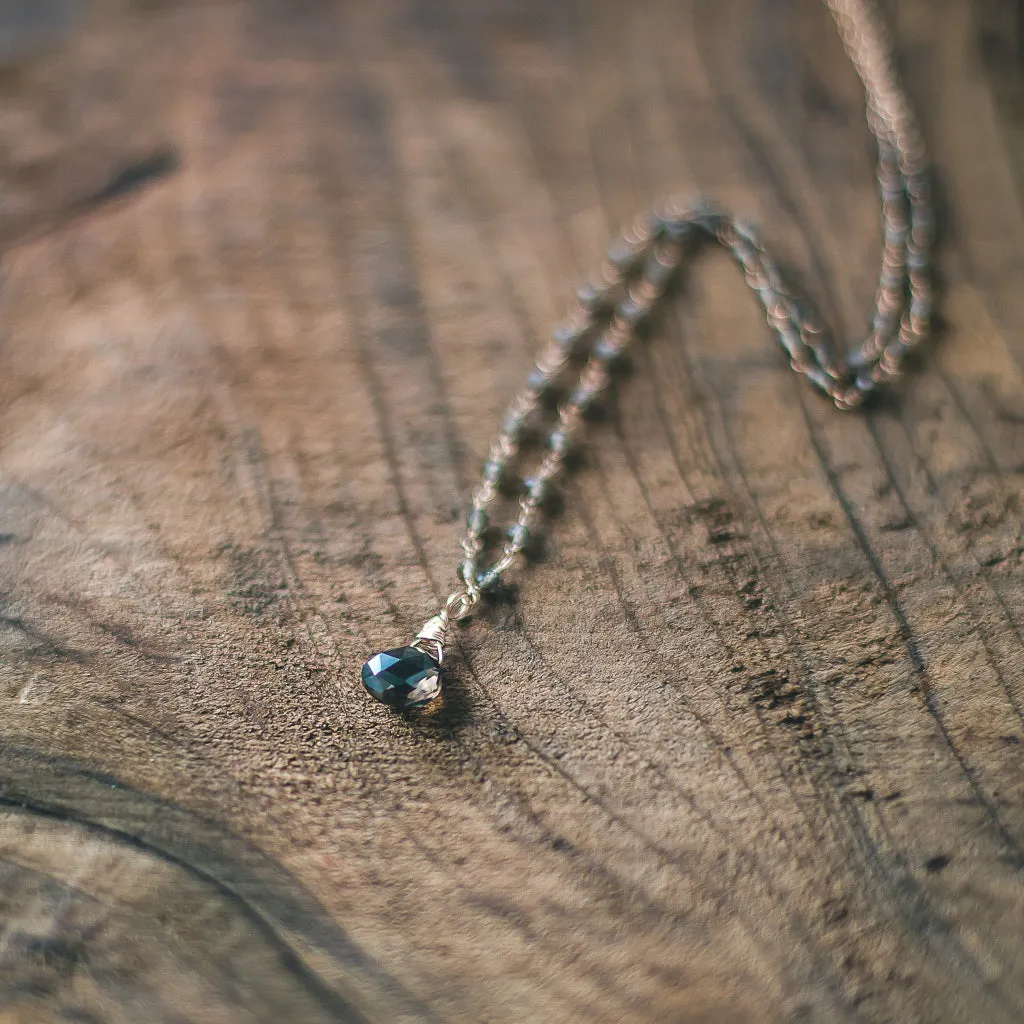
(433, 636)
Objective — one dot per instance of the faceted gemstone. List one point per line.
(403, 678)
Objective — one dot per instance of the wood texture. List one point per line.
(745, 742)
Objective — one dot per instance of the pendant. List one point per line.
(405, 677)
(409, 677)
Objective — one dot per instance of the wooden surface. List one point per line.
(743, 745)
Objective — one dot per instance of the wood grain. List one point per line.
(743, 745)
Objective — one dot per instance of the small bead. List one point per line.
(707, 216)
(537, 488)
(538, 380)
(623, 255)
(865, 382)
(659, 268)
(608, 348)
(476, 521)
(677, 229)
(493, 470)
(918, 258)
(592, 298)
(488, 579)
(512, 426)
(632, 310)
(568, 336)
(583, 398)
(560, 441)
(519, 536)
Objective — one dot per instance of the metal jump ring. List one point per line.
(461, 603)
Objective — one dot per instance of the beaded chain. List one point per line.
(626, 288)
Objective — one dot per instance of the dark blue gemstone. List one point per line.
(403, 678)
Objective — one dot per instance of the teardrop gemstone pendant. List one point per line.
(405, 677)
(409, 677)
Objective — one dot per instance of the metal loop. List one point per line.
(461, 603)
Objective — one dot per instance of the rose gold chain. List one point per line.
(640, 264)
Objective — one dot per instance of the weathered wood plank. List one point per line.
(743, 744)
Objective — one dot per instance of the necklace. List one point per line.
(626, 288)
